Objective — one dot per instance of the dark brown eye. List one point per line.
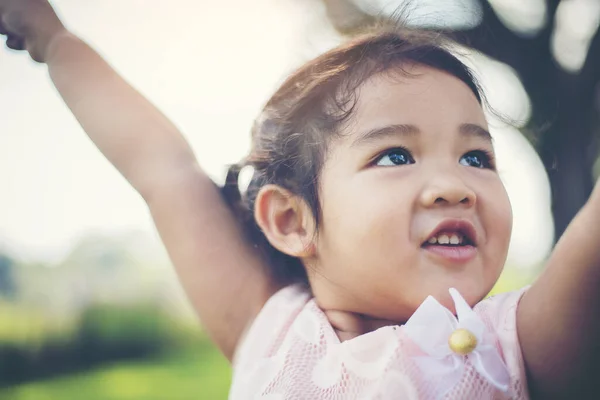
(477, 159)
(397, 156)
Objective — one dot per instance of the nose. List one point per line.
(447, 190)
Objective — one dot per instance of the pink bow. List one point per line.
(431, 326)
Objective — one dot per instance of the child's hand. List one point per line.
(29, 25)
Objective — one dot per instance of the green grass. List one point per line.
(199, 374)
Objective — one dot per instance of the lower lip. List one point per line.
(458, 254)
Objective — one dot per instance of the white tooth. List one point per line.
(433, 240)
(454, 239)
(443, 239)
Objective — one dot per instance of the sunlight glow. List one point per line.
(576, 23)
(525, 17)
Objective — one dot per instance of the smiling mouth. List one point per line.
(452, 233)
(449, 239)
(454, 244)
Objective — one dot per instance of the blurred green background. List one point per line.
(102, 325)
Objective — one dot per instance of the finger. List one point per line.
(15, 43)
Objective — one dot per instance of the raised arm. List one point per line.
(558, 320)
(223, 276)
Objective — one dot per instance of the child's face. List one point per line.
(381, 204)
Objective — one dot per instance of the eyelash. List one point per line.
(488, 159)
(392, 150)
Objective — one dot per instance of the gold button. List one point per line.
(462, 342)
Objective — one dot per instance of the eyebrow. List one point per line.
(394, 130)
(476, 131)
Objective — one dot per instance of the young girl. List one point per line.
(355, 264)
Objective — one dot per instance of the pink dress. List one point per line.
(291, 351)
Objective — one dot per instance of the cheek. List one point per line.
(364, 216)
(499, 219)
(505, 214)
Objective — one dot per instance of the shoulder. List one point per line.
(500, 310)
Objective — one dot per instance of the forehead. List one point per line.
(424, 97)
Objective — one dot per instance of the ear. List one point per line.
(286, 220)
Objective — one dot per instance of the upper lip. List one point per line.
(461, 226)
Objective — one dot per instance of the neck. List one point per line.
(348, 325)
